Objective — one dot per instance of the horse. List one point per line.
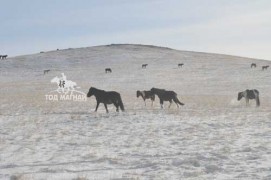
(4, 56)
(146, 95)
(250, 94)
(108, 70)
(106, 97)
(166, 96)
(253, 65)
(180, 65)
(46, 71)
(265, 67)
(64, 85)
(144, 66)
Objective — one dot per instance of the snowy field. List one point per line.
(213, 136)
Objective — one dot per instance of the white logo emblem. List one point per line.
(66, 90)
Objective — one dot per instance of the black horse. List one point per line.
(106, 97)
(180, 65)
(250, 94)
(265, 67)
(144, 66)
(166, 96)
(146, 95)
(253, 65)
(3, 56)
(108, 70)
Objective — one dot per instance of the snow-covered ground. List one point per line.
(213, 136)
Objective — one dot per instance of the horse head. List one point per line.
(91, 92)
(137, 93)
(240, 95)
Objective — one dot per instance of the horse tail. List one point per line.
(121, 103)
(176, 100)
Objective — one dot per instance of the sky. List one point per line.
(235, 27)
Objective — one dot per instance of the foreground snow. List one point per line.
(212, 137)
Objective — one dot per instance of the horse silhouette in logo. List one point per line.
(64, 85)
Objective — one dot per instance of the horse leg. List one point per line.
(170, 102)
(117, 106)
(247, 101)
(145, 102)
(161, 103)
(98, 103)
(106, 107)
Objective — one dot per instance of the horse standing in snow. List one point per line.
(250, 94)
(108, 70)
(146, 95)
(3, 56)
(106, 97)
(253, 65)
(180, 65)
(265, 67)
(144, 66)
(46, 71)
(166, 96)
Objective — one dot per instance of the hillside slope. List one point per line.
(213, 136)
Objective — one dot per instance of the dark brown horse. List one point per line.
(265, 67)
(253, 65)
(166, 96)
(144, 66)
(108, 70)
(180, 65)
(106, 97)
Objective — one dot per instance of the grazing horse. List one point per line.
(180, 65)
(106, 97)
(166, 96)
(265, 67)
(253, 65)
(250, 94)
(146, 95)
(108, 70)
(144, 66)
(46, 71)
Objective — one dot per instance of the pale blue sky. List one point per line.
(237, 27)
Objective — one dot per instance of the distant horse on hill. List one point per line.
(46, 71)
(144, 66)
(108, 70)
(166, 96)
(146, 95)
(253, 65)
(106, 97)
(250, 94)
(3, 56)
(265, 67)
(180, 65)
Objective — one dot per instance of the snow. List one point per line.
(213, 136)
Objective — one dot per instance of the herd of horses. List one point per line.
(254, 65)
(113, 97)
(3, 56)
